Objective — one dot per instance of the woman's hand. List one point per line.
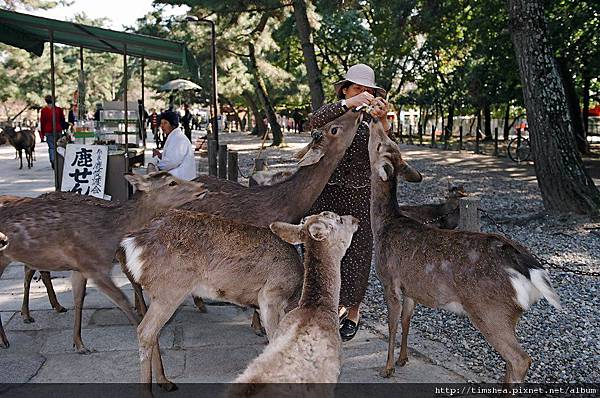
(359, 99)
(380, 111)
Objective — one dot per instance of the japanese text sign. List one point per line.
(84, 171)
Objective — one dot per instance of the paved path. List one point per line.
(211, 347)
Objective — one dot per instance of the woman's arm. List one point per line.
(173, 157)
(326, 114)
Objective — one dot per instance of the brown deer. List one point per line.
(443, 215)
(60, 230)
(23, 140)
(306, 348)
(485, 276)
(287, 200)
(186, 252)
(29, 273)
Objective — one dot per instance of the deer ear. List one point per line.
(151, 168)
(138, 182)
(318, 231)
(409, 173)
(312, 156)
(288, 232)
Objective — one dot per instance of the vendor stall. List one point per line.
(117, 130)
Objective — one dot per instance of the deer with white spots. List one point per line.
(487, 277)
(64, 231)
(306, 346)
(186, 252)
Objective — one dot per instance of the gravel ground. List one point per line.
(563, 344)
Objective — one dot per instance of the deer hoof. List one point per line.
(4, 343)
(60, 308)
(85, 351)
(402, 361)
(387, 372)
(168, 386)
(28, 319)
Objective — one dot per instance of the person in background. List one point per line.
(97, 112)
(186, 121)
(142, 118)
(154, 122)
(47, 129)
(178, 155)
(71, 119)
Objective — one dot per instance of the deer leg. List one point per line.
(26, 285)
(78, 282)
(271, 307)
(408, 306)
(106, 285)
(21, 158)
(199, 303)
(4, 261)
(393, 307)
(158, 314)
(28, 157)
(51, 294)
(500, 333)
(140, 304)
(256, 325)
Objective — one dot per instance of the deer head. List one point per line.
(385, 157)
(166, 191)
(325, 227)
(334, 137)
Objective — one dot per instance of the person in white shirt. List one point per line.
(177, 156)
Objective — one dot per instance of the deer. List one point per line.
(486, 277)
(441, 215)
(306, 347)
(29, 273)
(23, 140)
(60, 230)
(288, 200)
(186, 252)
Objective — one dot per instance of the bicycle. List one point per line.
(519, 149)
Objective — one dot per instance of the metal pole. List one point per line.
(215, 100)
(143, 124)
(125, 106)
(80, 104)
(496, 141)
(53, 89)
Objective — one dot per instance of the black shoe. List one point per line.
(348, 329)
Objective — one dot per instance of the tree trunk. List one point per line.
(487, 122)
(261, 127)
(564, 183)
(478, 129)
(263, 97)
(317, 97)
(450, 122)
(506, 119)
(573, 105)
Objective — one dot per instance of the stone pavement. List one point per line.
(211, 347)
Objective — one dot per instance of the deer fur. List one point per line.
(22, 140)
(443, 215)
(29, 273)
(306, 348)
(61, 230)
(186, 252)
(288, 200)
(487, 277)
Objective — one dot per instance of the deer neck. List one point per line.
(304, 187)
(137, 212)
(384, 201)
(322, 280)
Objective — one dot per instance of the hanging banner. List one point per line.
(84, 169)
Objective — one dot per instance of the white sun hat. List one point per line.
(360, 74)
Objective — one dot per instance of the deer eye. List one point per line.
(173, 183)
(334, 130)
